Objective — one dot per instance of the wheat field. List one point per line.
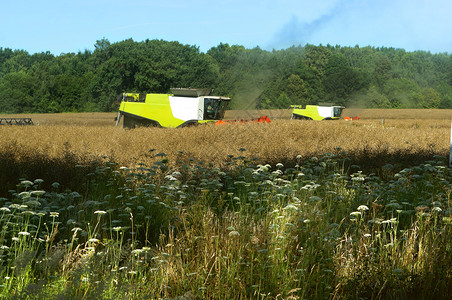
(89, 135)
(57, 142)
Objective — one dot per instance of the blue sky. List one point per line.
(70, 26)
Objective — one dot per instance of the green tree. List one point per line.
(316, 60)
(381, 77)
(341, 80)
(400, 92)
(374, 99)
(283, 101)
(296, 90)
(382, 72)
(427, 98)
(16, 93)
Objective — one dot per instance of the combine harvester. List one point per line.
(316, 112)
(16, 121)
(184, 107)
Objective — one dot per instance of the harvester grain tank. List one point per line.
(316, 112)
(184, 106)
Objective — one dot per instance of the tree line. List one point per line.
(87, 81)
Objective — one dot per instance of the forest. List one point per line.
(90, 81)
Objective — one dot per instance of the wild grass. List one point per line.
(251, 232)
(235, 212)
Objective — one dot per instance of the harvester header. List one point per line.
(16, 121)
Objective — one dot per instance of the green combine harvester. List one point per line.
(316, 112)
(185, 106)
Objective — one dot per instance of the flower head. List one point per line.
(363, 208)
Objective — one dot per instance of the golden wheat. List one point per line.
(280, 140)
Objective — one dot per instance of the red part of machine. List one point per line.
(263, 119)
(351, 118)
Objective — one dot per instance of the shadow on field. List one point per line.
(373, 162)
(26, 165)
(72, 171)
(370, 160)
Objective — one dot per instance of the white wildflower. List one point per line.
(176, 174)
(38, 193)
(234, 233)
(26, 183)
(75, 195)
(290, 207)
(137, 251)
(437, 209)
(24, 195)
(363, 208)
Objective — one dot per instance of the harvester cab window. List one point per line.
(214, 108)
(337, 111)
